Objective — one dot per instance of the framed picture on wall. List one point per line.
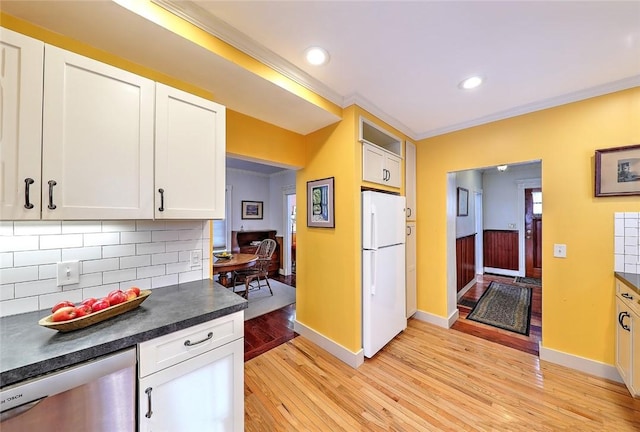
(618, 171)
(463, 202)
(251, 210)
(320, 211)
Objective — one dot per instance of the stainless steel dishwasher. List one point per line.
(98, 395)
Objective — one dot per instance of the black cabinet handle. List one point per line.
(27, 182)
(149, 411)
(621, 317)
(408, 212)
(161, 208)
(51, 205)
(408, 230)
(627, 296)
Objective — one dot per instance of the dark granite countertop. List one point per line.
(631, 279)
(28, 349)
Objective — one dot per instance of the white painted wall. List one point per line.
(472, 181)
(278, 183)
(249, 186)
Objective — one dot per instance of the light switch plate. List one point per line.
(560, 250)
(195, 259)
(68, 272)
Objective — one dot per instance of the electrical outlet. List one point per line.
(68, 272)
(195, 258)
(512, 226)
(560, 250)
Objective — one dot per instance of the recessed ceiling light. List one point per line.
(317, 56)
(470, 83)
(502, 168)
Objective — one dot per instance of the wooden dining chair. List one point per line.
(251, 276)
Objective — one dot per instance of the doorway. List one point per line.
(533, 232)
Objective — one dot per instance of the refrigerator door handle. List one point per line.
(373, 272)
(374, 228)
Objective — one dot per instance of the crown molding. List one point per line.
(611, 87)
(213, 25)
(364, 103)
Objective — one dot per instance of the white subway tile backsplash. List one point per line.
(60, 241)
(135, 237)
(618, 263)
(135, 261)
(631, 215)
(100, 265)
(37, 227)
(627, 242)
(619, 227)
(35, 288)
(631, 268)
(6, 259)
(81, 227)
(165, 258)
(102, 239)
(630, 240)
(118, 251)
(631, 232)
(36, 257)
(618, 245)
(18, 274)
(82, 254)
(21, 243)
(151, 271)
(158, 236)
(118, 276)
(150, 248)
(112, 255)
(631, 250)
(618, 215)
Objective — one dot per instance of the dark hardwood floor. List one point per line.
(529, 344)
(267, 331)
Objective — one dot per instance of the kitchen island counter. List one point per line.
(28, 349)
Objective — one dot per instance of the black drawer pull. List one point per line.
(161, 208)
(189, 343)
(51, 205)
(621, 318)
(27, 182)
(627, 296)
(149, 411)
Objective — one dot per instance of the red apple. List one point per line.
(136, 289)
(89, 301)
(100, 305)
(116, 297)
(130, 294)
(65, 313)
(62, 304)
(82, 310)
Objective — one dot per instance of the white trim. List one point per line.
(335, 349)
(285, 267)
(437, 320)
(581, 364)
(251, 173)
(522, 185)
(503, 272)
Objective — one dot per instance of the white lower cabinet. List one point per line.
(193, 380)
(410, 261)
(628, 337)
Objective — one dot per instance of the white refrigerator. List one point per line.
(383, 269)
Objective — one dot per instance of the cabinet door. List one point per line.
(21, 62)
(393, 171)
(97, 140)
(190, 156)
(205, 393)
(623, 341)
(372, 163)
(412, 301)
(410, 179)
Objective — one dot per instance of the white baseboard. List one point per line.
(341, 353)
(437, 319)
(581, 364)
(503, 272)
(467, 287)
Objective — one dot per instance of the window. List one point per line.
(221, 231)
(537, 203)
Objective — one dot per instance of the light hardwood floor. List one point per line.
(429, 379)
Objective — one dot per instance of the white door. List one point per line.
(412, 300)
(97, 147)
(383, 297)
(383, 221)
(21, 63)
(392, 171)
(372, 163)
(190, 156)
(204, 393)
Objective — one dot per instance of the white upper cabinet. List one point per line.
(189, 156)
(410, 179)
(21, 128)
(381, 161)
(97, 147)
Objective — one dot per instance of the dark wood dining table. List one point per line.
(238, 261)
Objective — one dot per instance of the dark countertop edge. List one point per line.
(631, 279)
(52, 364)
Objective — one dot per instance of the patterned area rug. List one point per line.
(504, 306)
(528, 280)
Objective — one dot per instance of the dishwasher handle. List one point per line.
(15, 412)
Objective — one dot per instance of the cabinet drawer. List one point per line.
(628, 295)
(168, 350)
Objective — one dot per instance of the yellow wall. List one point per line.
(578, 292)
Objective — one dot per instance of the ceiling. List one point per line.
(402, 61)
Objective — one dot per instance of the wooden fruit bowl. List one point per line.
(95, 317)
